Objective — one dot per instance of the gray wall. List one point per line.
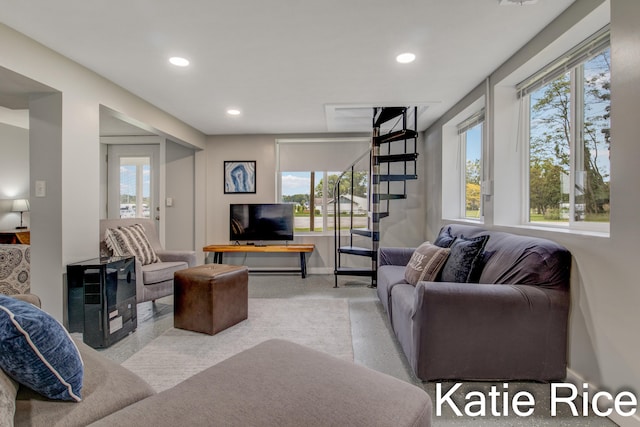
(180, 186)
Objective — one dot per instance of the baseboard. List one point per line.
(320, 270)
(577, 380)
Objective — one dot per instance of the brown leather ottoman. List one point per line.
(210, 298)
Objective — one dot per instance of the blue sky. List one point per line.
(295, 183)
(128, 180)
(474, 142)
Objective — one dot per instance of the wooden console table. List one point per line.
(14, 237)
(302, 249)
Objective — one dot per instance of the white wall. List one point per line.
(603, 348)
(14, 173)
(65, 222)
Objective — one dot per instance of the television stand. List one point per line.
(302, 249)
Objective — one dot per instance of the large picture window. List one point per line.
(569, 139)
(308, 171)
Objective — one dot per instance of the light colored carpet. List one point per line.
(321, 324)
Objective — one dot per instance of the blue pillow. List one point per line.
(445, 238)
(464, 264)
(37, 351)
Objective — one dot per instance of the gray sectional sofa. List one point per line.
(512, 325)
(276, 383)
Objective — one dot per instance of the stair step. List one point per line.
(352, 271)
(399, 135)
(375, 236)
(388, 178)
(390, 158)
(388, 197)
(388, 113)
(377, 217)
(355, 250)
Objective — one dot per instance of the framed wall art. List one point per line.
(239, 176)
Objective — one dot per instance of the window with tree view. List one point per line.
(569, 142)
(472, 147)
(313, 198)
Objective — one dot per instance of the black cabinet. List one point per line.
(102, 299)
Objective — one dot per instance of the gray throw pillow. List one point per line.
(425, 263)
(465, 261)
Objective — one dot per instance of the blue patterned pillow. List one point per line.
(465, 260)
(445, 238)
(37, 351)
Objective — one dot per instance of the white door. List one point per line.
(132, 181)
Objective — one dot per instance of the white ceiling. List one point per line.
(290, 66)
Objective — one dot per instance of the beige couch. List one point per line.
(155, 280)
(276, 383)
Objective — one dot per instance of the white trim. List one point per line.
(320, 270)
(577, 380)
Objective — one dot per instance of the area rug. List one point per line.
(321, 324)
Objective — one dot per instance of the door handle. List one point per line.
(157, 217)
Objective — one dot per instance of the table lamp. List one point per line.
(20, 205)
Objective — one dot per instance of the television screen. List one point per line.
(261, 221)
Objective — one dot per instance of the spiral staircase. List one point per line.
(392, 162)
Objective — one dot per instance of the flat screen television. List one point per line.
(260, 222)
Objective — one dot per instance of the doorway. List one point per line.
(133, 181)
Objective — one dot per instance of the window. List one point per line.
(135, 187)
(470, 135)
(308, 170)
(568, 138)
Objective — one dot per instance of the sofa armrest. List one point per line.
(30, 298)
(172, 256)
(465, 324)
(394, 256)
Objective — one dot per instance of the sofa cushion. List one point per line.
(465, 260)
(37, 351)
(8, 392)
(131, 240)
(445, 238)
(425, 263)
(279, 383)
(161, 271)
(108, 387)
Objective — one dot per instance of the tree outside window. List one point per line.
(569, 142)
(472, 145)
(313, 198)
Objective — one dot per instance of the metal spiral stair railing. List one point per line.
(386, 172)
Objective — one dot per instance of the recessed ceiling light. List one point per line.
(405, 58)
(179, 61)
(233, 112)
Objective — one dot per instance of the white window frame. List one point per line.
(572, 62)
(325, 175)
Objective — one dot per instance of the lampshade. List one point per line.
(20, 205)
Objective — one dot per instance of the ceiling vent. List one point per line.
(516, 2)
